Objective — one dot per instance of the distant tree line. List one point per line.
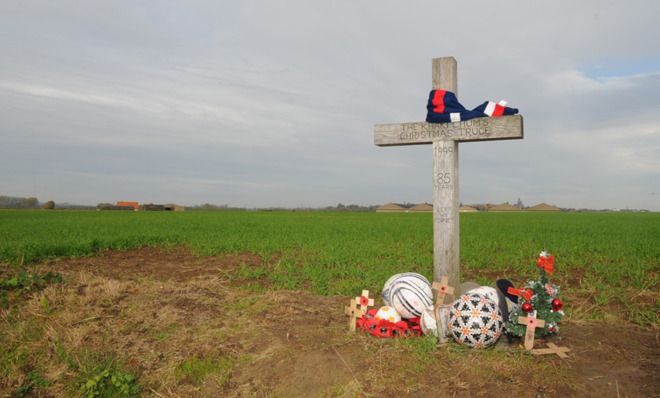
(12, 202)
(351, 207)
(16, 202)
(212, 207)
(338, 207)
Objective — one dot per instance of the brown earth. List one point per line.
(157, 309)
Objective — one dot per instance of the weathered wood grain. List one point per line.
(445, 186)
(532, 323)
(445, 212)
(552, 349)
(479, 129)
(444, 74)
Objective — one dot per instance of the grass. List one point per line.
(100, 376)
(59, 341)
(196, 370)
(55, 339)
(418, 361)
(251, 305)
(33, 380)
(612, 258)
(422, 350)
(22, 283)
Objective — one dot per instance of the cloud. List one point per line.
(254, 104)
(574, 82)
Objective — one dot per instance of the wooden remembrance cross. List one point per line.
(445, 138)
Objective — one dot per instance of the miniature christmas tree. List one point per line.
(538, 296)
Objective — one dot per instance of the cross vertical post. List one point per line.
(445, 186)
(352, 311)
(442, 289)
(532, 323)
(445, 138)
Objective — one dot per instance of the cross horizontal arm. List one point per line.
(479, 129)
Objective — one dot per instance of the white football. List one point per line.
(409, 293)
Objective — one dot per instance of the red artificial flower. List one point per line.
(364, 301)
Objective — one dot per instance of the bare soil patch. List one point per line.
(186, 327)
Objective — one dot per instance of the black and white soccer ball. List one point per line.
(409, 293)
(475, 320)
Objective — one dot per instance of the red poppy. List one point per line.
(364, 301)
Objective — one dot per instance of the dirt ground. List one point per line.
(157, 309)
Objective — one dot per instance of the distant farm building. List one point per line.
(467, 209)
(423, 207)
(109, 206)
(503, 207)
(152, 207)
(391, 208)
(158, 207)
(134, 205)
(543, 207)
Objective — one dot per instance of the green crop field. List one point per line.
(166, 323)
(608, 259)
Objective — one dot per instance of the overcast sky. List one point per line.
(251, 103)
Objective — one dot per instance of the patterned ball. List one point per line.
(388, 314)
(487, 291)
(475, 320)
(409, 293)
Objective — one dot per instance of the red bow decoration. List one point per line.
(546, 263)
(525, 293)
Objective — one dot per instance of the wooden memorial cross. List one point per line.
(445, 138)
(364, 301)
(552, 349)
(352, 311)
(358, 307)
(442, 288)
(532, 323)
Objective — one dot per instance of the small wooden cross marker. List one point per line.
(364, 301)
(352, 311)
(552, 349)
(532, 323)
(442, 289)
(444, 138)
